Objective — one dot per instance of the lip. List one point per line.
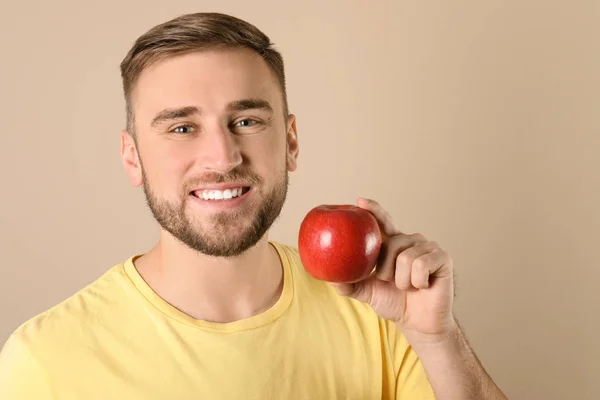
(221, 186)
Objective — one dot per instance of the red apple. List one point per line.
(339, 243)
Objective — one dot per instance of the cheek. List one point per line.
(266, 160)
(270, 154)
(165, 167)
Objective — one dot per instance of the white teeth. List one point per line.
(226, 194)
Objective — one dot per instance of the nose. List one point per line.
(220, 151)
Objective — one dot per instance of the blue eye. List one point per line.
(245, 123)
(183, 129)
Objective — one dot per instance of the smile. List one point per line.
(226, 194)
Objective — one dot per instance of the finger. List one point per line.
(430, 265)
(383, 217)
(361, 291)
(390, 249)
(345, 289)
(427, 266)
(402, 276)
(409, 266)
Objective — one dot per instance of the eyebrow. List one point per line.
(250, 104)
(169, 114)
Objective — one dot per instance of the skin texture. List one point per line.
(216, 264)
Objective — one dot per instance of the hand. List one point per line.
(413, 282)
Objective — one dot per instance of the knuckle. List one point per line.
(420, 264)
(443, 255)
(418, 237)
(404, 259)
(448, 260)
(397, 242)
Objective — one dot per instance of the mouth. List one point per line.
(221, 194)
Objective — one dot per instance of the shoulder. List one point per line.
(60, 324)
(39, 345)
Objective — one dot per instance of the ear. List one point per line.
(130, 158)
(292, 143)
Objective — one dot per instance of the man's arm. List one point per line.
(453, 369)
(413, 287)
(21, 375)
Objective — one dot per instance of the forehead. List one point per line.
(208, 79)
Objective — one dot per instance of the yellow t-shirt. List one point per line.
(117, 339)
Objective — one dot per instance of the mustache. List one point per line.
(244, 176)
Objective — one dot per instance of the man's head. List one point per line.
(208, 132)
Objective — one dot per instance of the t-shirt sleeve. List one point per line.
(411, 379)
(21, 375)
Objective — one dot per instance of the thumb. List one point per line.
(361, 291)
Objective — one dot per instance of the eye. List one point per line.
(183, 129)
(245, 123)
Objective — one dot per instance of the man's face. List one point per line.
(213, 148)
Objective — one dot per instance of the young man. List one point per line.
(215, 309)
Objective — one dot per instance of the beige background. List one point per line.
(474, 122)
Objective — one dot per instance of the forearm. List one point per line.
(454, 370)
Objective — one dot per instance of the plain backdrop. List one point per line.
(475, 123)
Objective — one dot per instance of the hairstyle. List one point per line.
(195, 32)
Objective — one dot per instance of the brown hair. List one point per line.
(194, 32)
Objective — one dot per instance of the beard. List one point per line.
(222, 234)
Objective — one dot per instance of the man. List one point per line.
(215, 309)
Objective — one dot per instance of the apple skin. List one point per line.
(339, 243)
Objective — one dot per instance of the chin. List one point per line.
(224, 238)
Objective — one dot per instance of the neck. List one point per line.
(210, 288)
